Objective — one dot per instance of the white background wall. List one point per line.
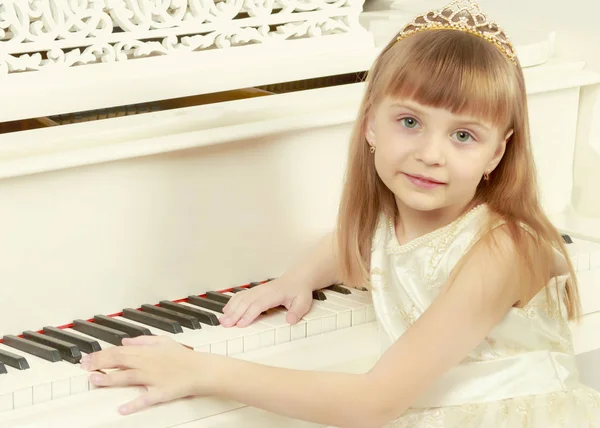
(576, 23)
(526, 21)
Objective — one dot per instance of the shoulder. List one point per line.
(520, 260)
(489, 264)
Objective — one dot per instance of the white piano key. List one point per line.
(584, 254)
(343, 313)
(43, 379)
(79, 384)
(197, 338)
(42, 393)
(355, 296)
(61, 388)
(298, 331)
(6, 401)
(275, 319)
(23, 398)
(220, 339)
(255, 336)
(82, 382)
(359, 310)
(319, 320)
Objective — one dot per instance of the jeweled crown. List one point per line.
(462, 15)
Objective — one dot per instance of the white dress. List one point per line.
(522, 375)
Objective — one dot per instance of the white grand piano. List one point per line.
(155, 150)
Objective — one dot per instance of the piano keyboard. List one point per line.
(41, 366)
(350, 350)
(338, 333)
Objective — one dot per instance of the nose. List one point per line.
(430, 150)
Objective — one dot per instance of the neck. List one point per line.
(412, 223)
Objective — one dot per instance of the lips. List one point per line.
(424, 179)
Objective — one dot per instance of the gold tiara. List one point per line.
(462, 15)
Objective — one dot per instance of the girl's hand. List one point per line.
(159, 363)
(245, 306)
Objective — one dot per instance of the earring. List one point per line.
(486, 176)
(372, 149)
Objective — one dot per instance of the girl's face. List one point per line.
(430, 158)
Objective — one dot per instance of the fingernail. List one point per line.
(85, 362)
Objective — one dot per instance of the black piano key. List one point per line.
(219, 297)
(42, 351)
(202, 316)
(3, 369)
(567, 239)
(207, 303)
(68, 351)
(152, 320)
(101, 332)
(131, 329)
(319, 295)
(339, 289)
(184, 320)
(83, 343)
(13, 360)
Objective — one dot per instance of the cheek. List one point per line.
(393, 144)
(465, 168)
(391, 157)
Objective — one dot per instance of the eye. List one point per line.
(409, 122)
(463, 136)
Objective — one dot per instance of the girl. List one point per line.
(440, 219)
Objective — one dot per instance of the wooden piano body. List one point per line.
(223, 163)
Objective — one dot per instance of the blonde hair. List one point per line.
(465, 75)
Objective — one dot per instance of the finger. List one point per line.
(251, 304)
(117, 378)
(112, 358)
(236, 310)
(251, 313)
(298, 308)
(234, 302)
(145, 400)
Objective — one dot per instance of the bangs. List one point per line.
(455, 71)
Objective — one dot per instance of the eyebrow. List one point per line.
(464, 121)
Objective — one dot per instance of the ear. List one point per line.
(493, 163)
(370, 130)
